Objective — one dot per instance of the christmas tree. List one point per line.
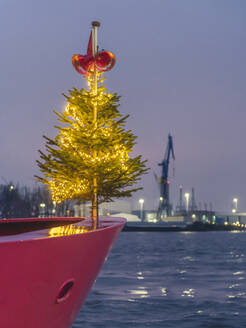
(89, 158)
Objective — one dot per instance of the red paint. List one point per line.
(35, 268)
(83, 64)
(105, 61)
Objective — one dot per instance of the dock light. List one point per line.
(187, 198)
(54, 208)
(42, 209)
(11, 187)
(235, 201)
(161, 199)
(233, 210)
(141, 202)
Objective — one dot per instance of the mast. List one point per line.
(95, 26)
(90, 66)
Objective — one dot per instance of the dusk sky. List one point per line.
(181, 69)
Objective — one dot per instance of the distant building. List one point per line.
(119, 206)
(127, 216)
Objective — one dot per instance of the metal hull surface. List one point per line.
(45, 280)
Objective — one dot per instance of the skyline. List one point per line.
(180, 69)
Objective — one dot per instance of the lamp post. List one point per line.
(187, 198)
(42, 209)
(235, 201)
(54, 209)
(141, 202)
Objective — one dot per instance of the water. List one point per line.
(170, 279)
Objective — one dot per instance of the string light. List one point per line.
(66, 230)
(71, 163)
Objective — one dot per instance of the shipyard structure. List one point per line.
(187, 211)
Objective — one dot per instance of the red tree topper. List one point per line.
(83, 64)
(105, 60)
(102, 61)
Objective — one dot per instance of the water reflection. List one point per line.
(140, 276)
(189, 293)
(234, 285)
(236, 258)
(163, 291)
(238, 273)
(237, 295)
(189, 258)
(141, 292)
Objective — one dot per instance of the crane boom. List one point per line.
(165, 207)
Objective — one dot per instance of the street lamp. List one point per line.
(54, 208)
(141, 202)
(235, 201)
(187, 198)
(42, 210)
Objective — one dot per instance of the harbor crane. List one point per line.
(165, 207)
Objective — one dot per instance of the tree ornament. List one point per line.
(105, 60)
(102, 61)
(83, 64)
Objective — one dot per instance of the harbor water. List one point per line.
(170, 279)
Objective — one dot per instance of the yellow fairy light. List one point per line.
(85, 149)
(67, 107)
(66, 230)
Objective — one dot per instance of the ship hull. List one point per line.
(45, 280)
